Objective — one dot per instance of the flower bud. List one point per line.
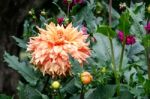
(148, 9)
(55, 85)
(30, 12)
(86, 78)
(66, 20)
(122, 6)
(60, 20)
(67, 1)
(147, 28)
(103, 70)
(43, 13)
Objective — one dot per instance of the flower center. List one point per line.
(60, 38)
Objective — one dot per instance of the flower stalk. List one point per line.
(46, 83)
(112, 52)
(147, 53)
(82, 92)
(122, 53)
(68, 9)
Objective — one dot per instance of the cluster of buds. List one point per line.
(130, 39)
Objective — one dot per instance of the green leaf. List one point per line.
(124, 23)
(29, 92)
(75, 97)
(86, 14)
(60, 9)
(137, 48)
(20, 42)
(136, 28)
(76, 67)
(114, 13)
(26, 71)
(72, 86)
(3, 96)
(130, 73)
(44, 96)
(137, 91)
(146, 41)
(147, 86)
(101, 92)
(102, 51)
(106, 30)
(125, 95)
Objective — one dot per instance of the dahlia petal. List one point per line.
(50, 50)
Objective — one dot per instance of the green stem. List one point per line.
(82, 92)
(60, 96)
(46, 83)
(147, 59)
(68, 10)
(117, 79)
(112, 53)
(122, 53)
(147, 52)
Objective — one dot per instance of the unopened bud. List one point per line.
(30, 12)
(148, 9)
(43, 13)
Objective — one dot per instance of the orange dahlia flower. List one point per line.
(50, 50)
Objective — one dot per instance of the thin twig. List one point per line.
(110, 16)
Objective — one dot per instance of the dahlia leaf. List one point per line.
(29, 92)
(20, 42)
(136, 24)
(86, 14)
(106, 30)
(114, 13)
(124, 23)
(103, 52)
(26, 71)
(76, 68)
(146, 41)
(101, 92)
(3, 96)
(71, 87)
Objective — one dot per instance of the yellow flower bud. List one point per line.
(55, 85)
(103, 70)
(148, 9)
(86, 78)
(43, 13)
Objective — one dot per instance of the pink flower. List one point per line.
(60, 20)
(78, 1)
(130, 39)
(147, 28)
(120, 36)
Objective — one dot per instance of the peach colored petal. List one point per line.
(51, 48)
